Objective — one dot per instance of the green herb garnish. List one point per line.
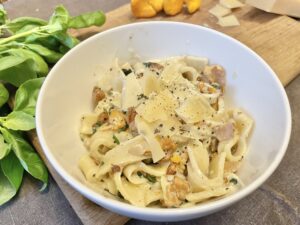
(148, 161)
(141, 96)
(147, 64)
(31, 46)
(139, 173)
(116, 140)
(233, 181)
(216, 85)
(150, 178)
(96, 126)
(127, 71)
(124, 128)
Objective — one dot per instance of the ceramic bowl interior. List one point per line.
(251, 85)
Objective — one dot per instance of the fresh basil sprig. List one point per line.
(26, 55)
(11, 174)
(27, 94)
(86, 20)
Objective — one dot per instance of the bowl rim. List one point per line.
(163, 213)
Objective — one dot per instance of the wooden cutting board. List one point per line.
(275, 38)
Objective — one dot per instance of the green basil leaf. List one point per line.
(40, 66)
(12, 169)
(16, 70)
(11, 44)
(48, 41)
(7, 191)
(26, 28)
(4, 95)
(87, 19)
(67, 40)
(3, 16)
(18, 120)
(4, 148)
(63, 49)
(3, 48)
(17, 25)
(60, 16)
(49, 55)
(53, 29)
(29, 159)
(27, 94)
(11, 175)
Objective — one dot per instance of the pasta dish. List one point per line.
(160, 134)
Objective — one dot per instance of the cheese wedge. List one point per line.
(194, 109)
(158, 107)
(131, 90)
(219, 11)
(228, 21)
(285, 7)
(231, 4)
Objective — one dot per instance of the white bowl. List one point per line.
(252, 85)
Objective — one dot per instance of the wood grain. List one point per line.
(275, 38)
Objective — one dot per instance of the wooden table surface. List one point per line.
(276, 202)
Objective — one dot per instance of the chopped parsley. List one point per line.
(148, 161)
(124, 128)
(116, 140)
(150, 178)
(139, 173)
(233, 181)
(141, 96)
(216, 85)
(147, 64)
(127, 71)
(96, 126)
